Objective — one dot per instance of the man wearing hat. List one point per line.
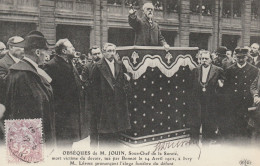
(12, 56)
(221, 54)
(239, 77)
(28, 91)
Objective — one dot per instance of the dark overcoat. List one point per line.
(210, 99)
(70, 115)
(255, 115)
(5, 63)
(145, 34)
(110, 108)
(29, 96)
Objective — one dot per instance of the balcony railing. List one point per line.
(200, 19)
(77, 7)
(255, 24)
(122, 11)
(31, 6)
(231, 22)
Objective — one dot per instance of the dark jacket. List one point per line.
(68, 100)
(209, 97)
(145, 34)
(257, 63)
(110, 108)
(238, 97)
(255, 115)
(5, 63)
(30, 96)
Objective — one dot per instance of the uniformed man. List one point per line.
(239, 77)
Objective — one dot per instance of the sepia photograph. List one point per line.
(130, 82)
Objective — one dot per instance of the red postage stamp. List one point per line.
(24, 140)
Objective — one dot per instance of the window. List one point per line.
(203, 7)
(226, 11)
(237, 8)
(255, 9)
(172, 6)
(206, 8)
(158, 4)
(232, 8)
(195, 6)
(114, 2)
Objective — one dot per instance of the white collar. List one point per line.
(16, 60)
(255, 58)
(241, 66)
(110, 63)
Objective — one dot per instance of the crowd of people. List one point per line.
(72, 103)
(225, 95)
(88, 96)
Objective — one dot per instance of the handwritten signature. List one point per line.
(160, 146)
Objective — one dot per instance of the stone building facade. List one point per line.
(203, 23)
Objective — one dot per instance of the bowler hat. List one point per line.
(221, 51)
(34, 39)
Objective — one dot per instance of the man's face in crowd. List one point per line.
(241, 59)
(70, 50)
(96, 54)
(110, 52)
(254, 50)
(229, 54)
(16, 51)
(148, 11)
(42, 54)
(255, 47)
(205, 59)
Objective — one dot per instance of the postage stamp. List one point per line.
(24, 140)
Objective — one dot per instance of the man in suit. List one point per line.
(94, 56)
(239, 77)
(110, 107)
(29, 94)
(147, 32)
(255, 55)
(206, 80)
(68, 95)
(12, 56)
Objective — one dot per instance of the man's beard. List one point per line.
(254, 54)
(205, 65)
(70, 56)
(150, 15)
(97, 59)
